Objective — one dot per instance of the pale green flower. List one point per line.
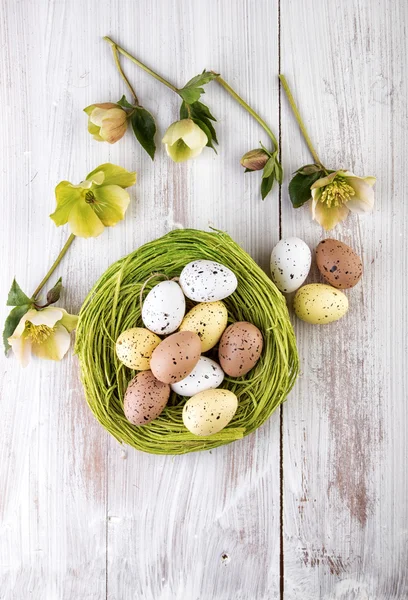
(43, 333)
(98, 202)
(184, 140)
(337, 194)
(107, 122)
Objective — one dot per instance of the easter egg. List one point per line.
(319, 303)
(207, 281)
(208, 320)
(164, 308)
(290, 264)
(135, 346)
(176, 356)
(207, 374)
(240, 348)
(145, 398)
(338, 264)
(210, 411)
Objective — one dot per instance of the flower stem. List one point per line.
(141, 65)
(122, 74)
(55, 265)
(251, 111)
(302, 126)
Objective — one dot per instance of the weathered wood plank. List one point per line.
(345, 428)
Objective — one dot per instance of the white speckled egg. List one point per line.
(206, 375)
(207, 281)
(164, 308)
(134, 347)
(208, 320)
(290, 264)
(210, 411)
(145, 398)
(319, 303)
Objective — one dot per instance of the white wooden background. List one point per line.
(82, 517)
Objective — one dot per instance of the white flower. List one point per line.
(184, 140)
(44, 333)
(337, 194)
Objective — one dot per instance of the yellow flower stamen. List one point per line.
(38, 333)
(336, 193)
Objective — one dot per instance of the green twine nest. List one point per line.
(113, 306)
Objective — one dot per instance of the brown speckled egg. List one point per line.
(338, 263)
(145, 398)
(240, 348)
(176, 356)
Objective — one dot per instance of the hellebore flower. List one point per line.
(338, 193)
(184, 140)
(107, 122)
(98, 202)
(255, 160)
(43, 333)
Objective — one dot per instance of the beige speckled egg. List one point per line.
(176, 356)
(145, 398)
(208, 320)
(135, 346)
(319, 303)
(240, 348)
(338, 264)
(210, 411)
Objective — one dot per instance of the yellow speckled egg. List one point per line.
(210, 411)
(135, 346)
(319, 303)
(208, 320)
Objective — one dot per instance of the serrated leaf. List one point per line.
(266, 185)
(268, 168)
(203, 110)
(16, 296)
(124, 103)
(54, 293)
(192, 91)
(144, 128)
(299, 188)
(11, 323)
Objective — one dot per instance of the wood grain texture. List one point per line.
(345, 427)
(82, 517)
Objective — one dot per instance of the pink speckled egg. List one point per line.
(145, 398)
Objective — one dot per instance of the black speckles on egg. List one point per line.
(338, 263)
(164, 308)
(135, 346)
(207, 374)
(319, 303)
(208, 320)
(290, 264)
(207, 281)
(240, 348)
(176, 356)
(145, 398)
(208, 412)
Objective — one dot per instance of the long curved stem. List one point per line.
(122, 73)
(141, 65)
(251, 111)
(55, 264)
(296, 112)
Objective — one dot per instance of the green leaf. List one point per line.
(278, 172)
(299, 188)
(192, 91)
(16, 296)
(144, 129)
(201, 111)
(266, 185)
(124, 103)
(207, 132)
(11, 323)
(54, 293)
(200, 114)
(268, 168)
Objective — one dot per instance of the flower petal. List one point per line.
(67, 196)
(180, 152)
(370, 180)
(329, 217)
(69, 321)
(115, 175)
(195, 139)
(177, 130)
(84, 222)
(363, 200)
(21, 347)
(114, 126)
(48, 316)
(22, 323)
(323, 181)
(55, 346)
(111, 204)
